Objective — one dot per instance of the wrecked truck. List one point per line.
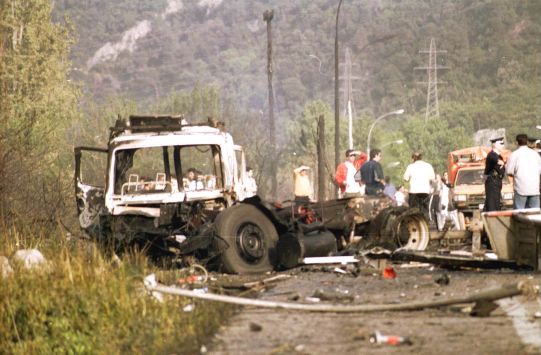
(138, 191)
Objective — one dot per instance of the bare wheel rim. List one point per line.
(413, 233)
(250, 242)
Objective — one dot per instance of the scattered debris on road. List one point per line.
(379, 338)
(504, 291)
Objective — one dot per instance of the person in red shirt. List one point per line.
(345, 172)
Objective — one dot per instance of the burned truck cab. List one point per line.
(164, 179)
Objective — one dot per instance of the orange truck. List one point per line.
(466, 168)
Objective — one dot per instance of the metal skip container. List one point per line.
(515, 235)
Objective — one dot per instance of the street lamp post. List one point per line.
(398, 141)
(336, 92)
(397, 112)
(393, 164)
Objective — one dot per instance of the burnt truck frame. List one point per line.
(136, 193)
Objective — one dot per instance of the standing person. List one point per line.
(192, 181)
(400, 196)
(524, 165)
(345, 173)
(303, 186)
(434, 204)
(389, 189)
(447, 209)
(419, 174)
(494, 171)
(251, 187)
(372, 174)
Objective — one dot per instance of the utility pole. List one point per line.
(321, 154)
(267, 17)
(432, 105)
(348, 94)
(336, 93)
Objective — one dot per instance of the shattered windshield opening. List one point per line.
(167, 169)
(470, 177)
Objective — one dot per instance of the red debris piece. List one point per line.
(389, 273)
(190, 279)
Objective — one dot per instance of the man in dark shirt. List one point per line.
(494, 171)
(372, 174)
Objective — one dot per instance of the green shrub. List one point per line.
(83, 303)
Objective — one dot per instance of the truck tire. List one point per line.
(400, 227)
(251, 240)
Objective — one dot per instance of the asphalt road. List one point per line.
(511, 328)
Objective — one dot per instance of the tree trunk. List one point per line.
(321, 153)
(267, 16)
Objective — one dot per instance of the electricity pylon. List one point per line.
(432, 105)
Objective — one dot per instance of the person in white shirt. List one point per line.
(345, 173)
(419, 174)
(400, 196)
(251, 187)
(302, 186)
(191, 181)
(524, 165)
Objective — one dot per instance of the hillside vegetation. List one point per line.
(492, 51)
(146, 51)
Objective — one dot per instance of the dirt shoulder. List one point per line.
(449, 330)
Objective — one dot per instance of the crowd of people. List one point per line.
(432, 193)
(356, 177)
(362, 174)
(523, 166)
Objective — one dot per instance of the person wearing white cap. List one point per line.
(494, 171)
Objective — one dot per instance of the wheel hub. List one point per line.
(250, 241)
(413, 233)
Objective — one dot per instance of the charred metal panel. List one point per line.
(337, 214)
(167, 213)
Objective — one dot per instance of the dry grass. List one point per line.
(84, 303)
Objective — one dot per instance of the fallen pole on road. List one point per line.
(504, 291)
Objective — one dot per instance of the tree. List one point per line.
(434, 139)
(36, 103)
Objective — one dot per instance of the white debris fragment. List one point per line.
(330, 260)
(150, 282)
(29, 258)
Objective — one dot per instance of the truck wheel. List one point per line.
(251, 240)
(400, 227)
